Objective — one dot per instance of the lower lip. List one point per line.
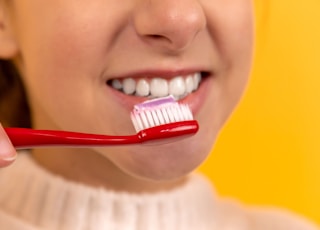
(194, 100)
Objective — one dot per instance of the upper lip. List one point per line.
(163, 73)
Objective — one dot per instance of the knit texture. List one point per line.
(32, 194)
(33, 199)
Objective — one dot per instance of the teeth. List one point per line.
(129, 86)
(190, 86)
(143, 88)
(116, 84)
(159, 87)
(179, 86)
(196, 80)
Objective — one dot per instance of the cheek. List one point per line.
(60, 39)
(230, 24)
(55, 67)
(232, 30)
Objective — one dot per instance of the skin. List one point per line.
(7, 151)
(66, 50)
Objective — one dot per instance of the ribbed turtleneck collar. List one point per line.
(47, 201)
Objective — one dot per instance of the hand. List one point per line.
(7, 152)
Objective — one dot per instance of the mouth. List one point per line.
(179, 86)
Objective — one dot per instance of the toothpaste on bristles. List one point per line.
(159, 111)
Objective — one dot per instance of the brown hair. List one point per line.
(14, 109)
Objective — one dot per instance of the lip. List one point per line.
(194, 100)
(160, 73)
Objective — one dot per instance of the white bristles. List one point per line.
(159, 112)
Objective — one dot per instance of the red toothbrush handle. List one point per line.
(31, 138)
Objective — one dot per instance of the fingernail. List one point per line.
(7, 151)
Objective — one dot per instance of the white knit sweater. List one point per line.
(32, 199)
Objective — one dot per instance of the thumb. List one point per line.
(7, 152)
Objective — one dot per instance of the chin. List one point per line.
(165, 162)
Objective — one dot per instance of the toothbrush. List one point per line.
(158, 120)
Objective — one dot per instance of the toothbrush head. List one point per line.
(163, 118)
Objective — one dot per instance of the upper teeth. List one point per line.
(178, 86)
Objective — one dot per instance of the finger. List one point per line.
(5, 163)
(7, 152)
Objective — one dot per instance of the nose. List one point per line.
(170, 25)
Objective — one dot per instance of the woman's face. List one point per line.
(70, 51)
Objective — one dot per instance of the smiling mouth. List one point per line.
(155, 87)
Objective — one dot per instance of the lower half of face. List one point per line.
(72, 72)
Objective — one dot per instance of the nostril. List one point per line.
(155, 36)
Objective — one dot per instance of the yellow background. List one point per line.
(269, 151)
